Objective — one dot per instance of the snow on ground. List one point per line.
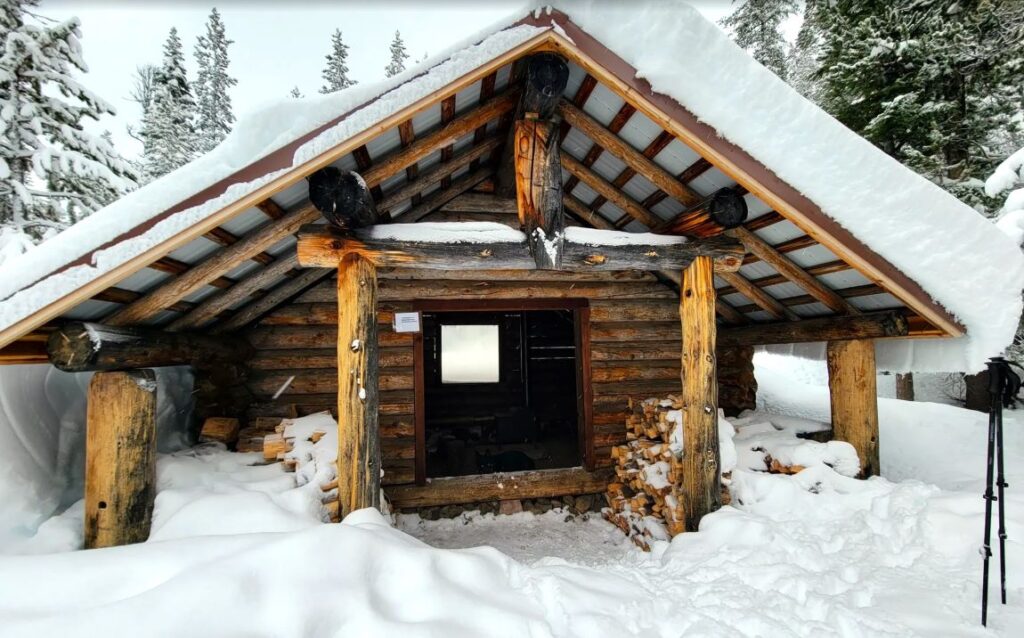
(235, 552)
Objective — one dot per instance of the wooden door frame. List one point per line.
(584, 390)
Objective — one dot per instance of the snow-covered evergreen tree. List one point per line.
(928, 81)
(52, 171)
(398, 57)
(335, 74)
(168, 128)
(756, 26)
(213, 104)
(295, 93)
(802, 58)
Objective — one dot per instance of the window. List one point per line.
(469, 354)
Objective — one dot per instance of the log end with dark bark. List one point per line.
(547, 75)
(723, 210)
(343, 198)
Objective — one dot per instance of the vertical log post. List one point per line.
(854, 395)
(358, 440)
(701, 459)
(120, 458)
(539, 189)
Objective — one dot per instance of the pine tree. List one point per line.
(52, 171)
(756, 26)
(802, 60)
(398, 57)
(213, 104)
(927, 81)
(335, 74)
(296, 93)
(168, 128)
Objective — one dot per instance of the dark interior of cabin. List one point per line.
(500, 391)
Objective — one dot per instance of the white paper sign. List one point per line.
(407, 322)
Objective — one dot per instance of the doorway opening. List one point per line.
(500, 389)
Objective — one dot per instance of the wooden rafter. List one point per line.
(826, 268)
(271, 209)
(282, 293)
(407, 135)
(579, 99)
(846, 293)
(788, 246)
(763, 300)
(174, 266)
(436, 174)
(794, 273)
(620, 119)
(226, 238)
(219, 263)
(125, 296)
(637, 162)
(609, 192)
(442, 196)
(487, 86)
(447, 113)
(210, 308)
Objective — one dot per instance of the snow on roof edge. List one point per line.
(24, 293)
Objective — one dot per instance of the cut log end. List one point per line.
(342, 198)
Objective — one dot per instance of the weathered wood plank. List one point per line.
(120, 458)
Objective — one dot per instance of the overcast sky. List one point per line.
(277, 45)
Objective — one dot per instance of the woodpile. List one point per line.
(276, 447)
(646, 498)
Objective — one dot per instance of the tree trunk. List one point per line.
(905, 386)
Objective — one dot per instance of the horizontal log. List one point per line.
(629, 332)
(394, 290)
(601, 374)
(515, 275)
(607, 310)
(496, 487)
(316, 382)
(323, 358)
(86, 347)
(323, 247)
(398, 472)
(872, 326)
(482, 203)
(637, 351)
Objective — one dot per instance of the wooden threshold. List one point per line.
(500, 487)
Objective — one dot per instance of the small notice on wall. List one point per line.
(407, 322)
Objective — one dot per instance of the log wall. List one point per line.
(635, 350)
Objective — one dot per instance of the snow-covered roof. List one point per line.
(661, 77)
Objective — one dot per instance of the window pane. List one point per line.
(469, 354)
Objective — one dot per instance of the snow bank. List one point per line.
(42, 442)
(596, 237)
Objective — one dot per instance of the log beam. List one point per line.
(723, 210)
(854, 394)
(496, 487)
(539, 190)
(764, 301)
(321, 247)
(870, 326)
(794, 273)
(358, 398)
(701, 458)
(120, 458)
(85, 347)
(271, 300)
(603, 188)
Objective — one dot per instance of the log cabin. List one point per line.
(477, 265)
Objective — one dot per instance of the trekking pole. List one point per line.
(995, 406)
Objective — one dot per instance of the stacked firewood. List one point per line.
(276, 447)
(646, 501)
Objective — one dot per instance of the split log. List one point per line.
(473, 202)
(875, 325)
(723, 210)
(539, 190)
(120, 458)
(83, 347)
(323, 247)
(700, 393)
(343, 198)
(853, 390)
(358, 398)
(220, 429)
